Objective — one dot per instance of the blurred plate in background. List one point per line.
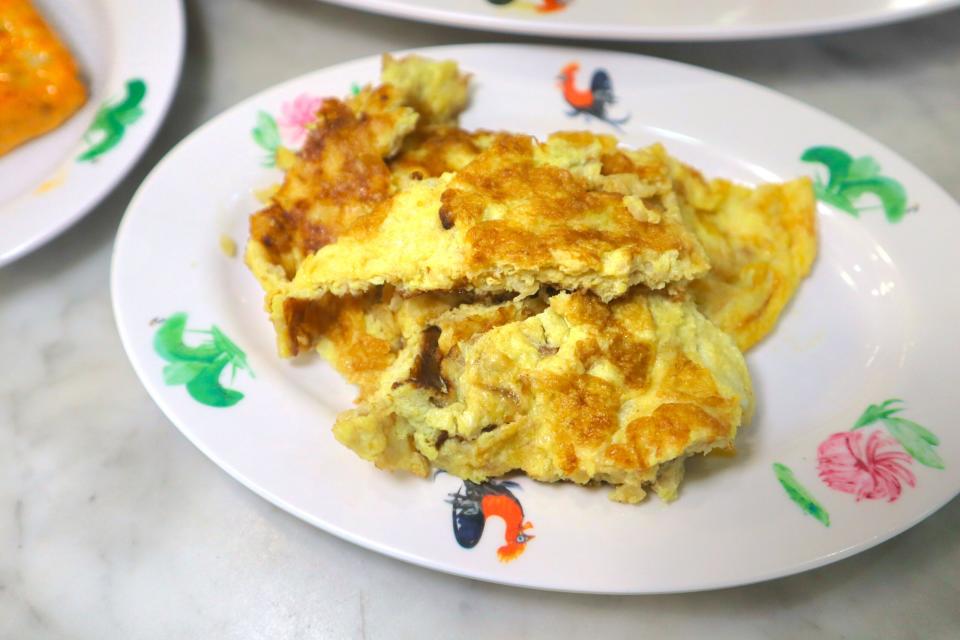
(656, 19)
(129, 54)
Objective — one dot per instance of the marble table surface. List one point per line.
(113, 526)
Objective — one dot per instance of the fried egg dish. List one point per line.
(40, 85)
(619, 393)
(567, 308)
(761, 242)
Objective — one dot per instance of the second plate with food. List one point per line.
(850, 443)
(128, 56)
(655, 19)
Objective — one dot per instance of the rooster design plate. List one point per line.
(655, 19)
(129, 55)
(853, 440)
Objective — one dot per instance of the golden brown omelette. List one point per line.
(340, 175)
(762, 243)
(491, 295)
(619, 393)
(520, 215)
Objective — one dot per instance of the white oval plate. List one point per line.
(124, 49)
(656, 19)
(874, 322)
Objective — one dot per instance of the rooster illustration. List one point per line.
(545, 6)
(474, 503)
(593, 101)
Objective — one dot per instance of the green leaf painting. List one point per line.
(799, 494)
(851, 178)
(876, 412)
(910, 436)
(267, 136)
(111, 121)
(199, 367)
(915, 439)
(181, 372)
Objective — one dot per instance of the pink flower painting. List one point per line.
(296, 116)
(872, 467)
(871, 463)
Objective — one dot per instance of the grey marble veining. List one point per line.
(113, 526)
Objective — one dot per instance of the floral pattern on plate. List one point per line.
(874, 465)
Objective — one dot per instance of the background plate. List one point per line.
(864, 328)
(657, 19)
(44, 187)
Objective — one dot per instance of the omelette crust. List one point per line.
(362, 335)
(519, 215)
(582, 391)
(762, 243)
(423, 261)
(340, 175)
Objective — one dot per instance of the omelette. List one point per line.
(339, 176)
(619, 393)
(361, 335)
(761, 242)
(567, 308)
(40, 85)
(519, 215)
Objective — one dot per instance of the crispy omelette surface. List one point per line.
(584, 391)
(520, 215)
(762, 243)
(435, 89)
(397, 240)
(432, 151)
(362, 335)
(337, 177)
(340, 175)
(40, 84)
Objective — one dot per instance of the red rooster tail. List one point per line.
(549, 6)
(508, 508)
(577, 98)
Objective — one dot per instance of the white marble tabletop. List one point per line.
(113, 526)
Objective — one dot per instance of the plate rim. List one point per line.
(158, 395)
(171, 69)
(702, 33)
